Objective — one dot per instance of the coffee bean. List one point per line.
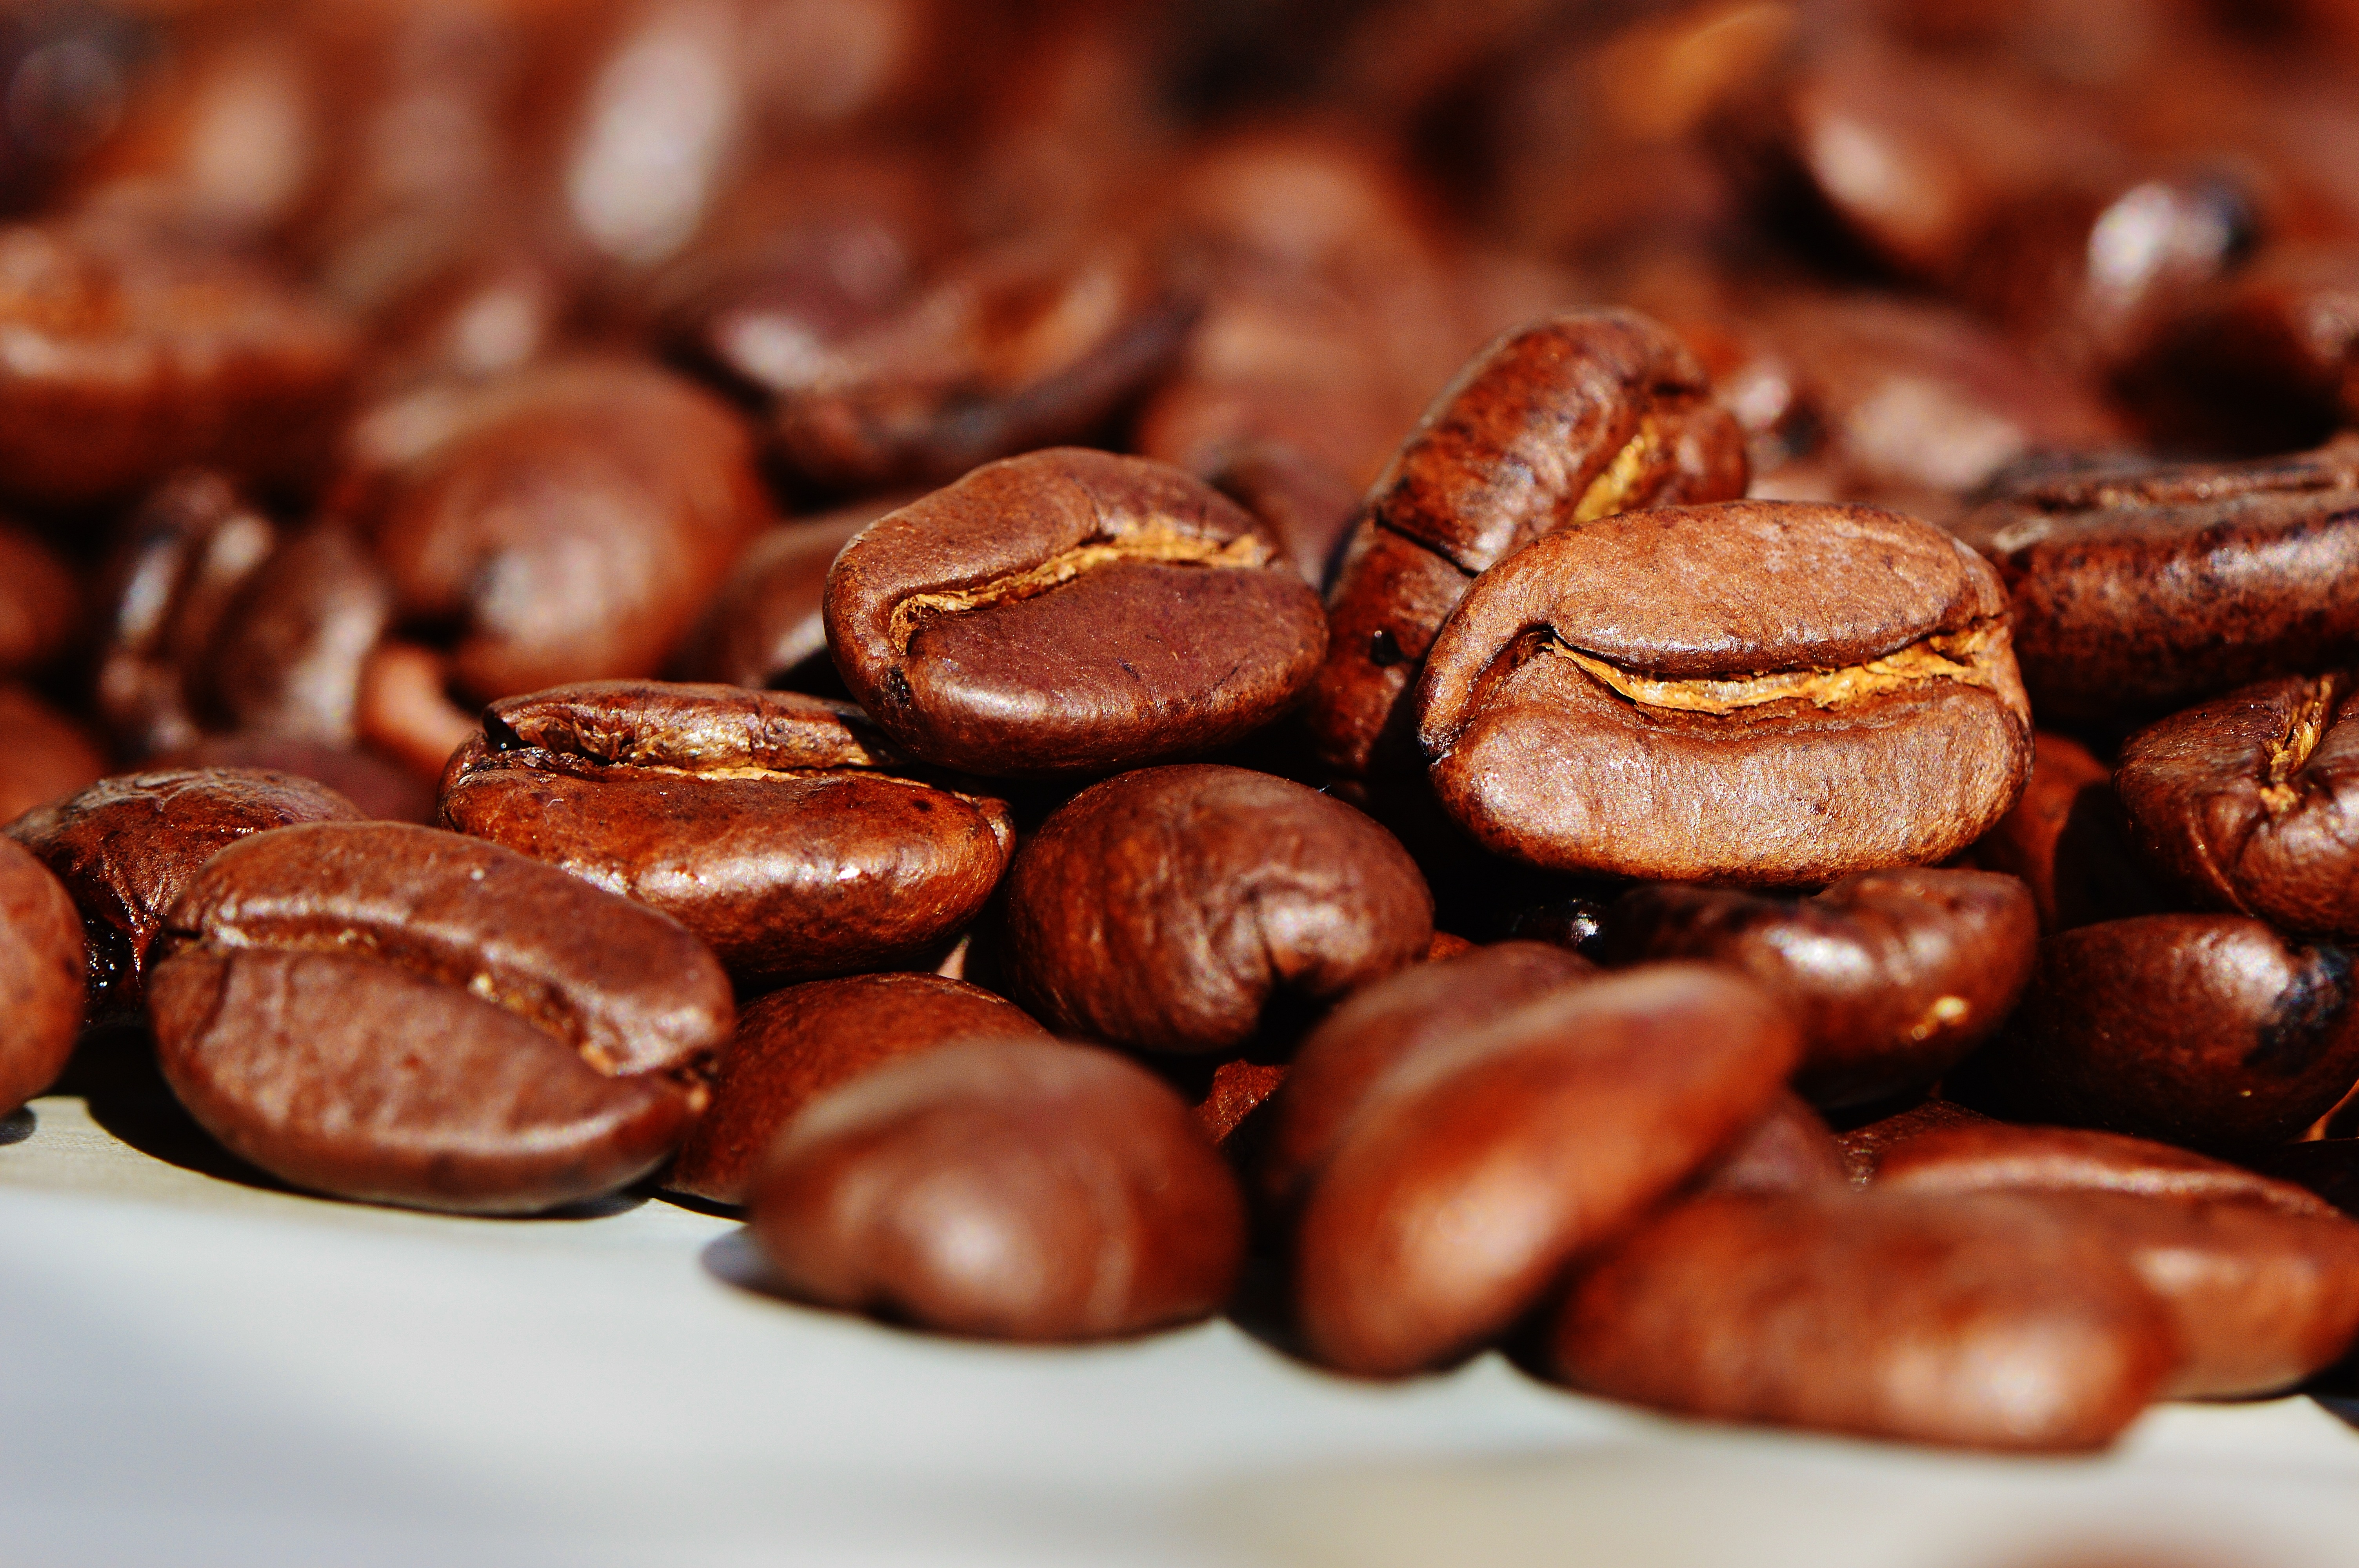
(2259, 1299)
(2241, 802)
(144, 353)
(1896, 976)
(40, 977)
(779, 829)
(1974, 1322)
(1474, 1176)
(1864, 1146)
(1006, 1189)
(1022, 349)
(1977, 1155)
(1071, 612)
(382, 790)
(1755, 692)
(287, 658)
(1553, 426)
(407, 1016)
(1422, 1008)
(2209, 1030)
(796, 1044)
(1165, 909)
(2069, 840)
(2143, 588)
(566, 522)
(127, 847)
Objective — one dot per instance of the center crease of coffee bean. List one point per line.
(1610, 491)
(1155, 544)
(2292, 752)
(1959, 656)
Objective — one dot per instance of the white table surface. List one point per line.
(203, 1371)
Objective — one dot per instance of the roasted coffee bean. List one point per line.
(568, 520)
(382, 790)
(1018, 350)
(1308, 505)
(142, 355)
(2241, 801)
(1978, 1155)
(780, 829)
(1474, 1176)
(127, 847)
(288, 655)
(2140, 589)
(2259, 1299)
(1791, 1150)
(763, 628)
(796, 1045)
(407, 1016)
(1008, 1189)
(1550, 427)
(1071, 612)
(2069, 840)
(1896, 976)
(1759, 692)
(1164, 909)
(1974, 1322)
(2210, 1031)
(40, 977)
(1423, 1009)
(48, 755)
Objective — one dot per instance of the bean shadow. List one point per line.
(18, 1126)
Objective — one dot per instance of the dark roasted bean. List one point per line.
(40, 977)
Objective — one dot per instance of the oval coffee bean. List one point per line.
(566, 522)
(776, 827)
(407, 1016)
(40, 977)
(2260, 1300)
(1009, 1189)
(1552, 426)
(2069, 839)
(1765, 693)
(1425, 1008)
(2250, 802)
(1981, 1156)
(1975, 1321)
(138, 355)
(1474, 1175)
(2210, 1031)
(2140, 589)
(1163, 909)
(797, 1043)
(127, 847)
(1895, 974)
(1071, 612)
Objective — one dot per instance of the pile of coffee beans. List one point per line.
(1645, 684)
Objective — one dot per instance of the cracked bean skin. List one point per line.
(129, 845)
(1980, 1322)
(2250, 802)
(1759, 693)
(40, 977)
(799, 1042)
(1006, 1189)
(1071, 612)
(1476, 1174)
(781, 829)
(1164, 910)
(2141, 588)
(1552, 426)
(401, 1015)
(2212, 1032)
(1897, 974)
